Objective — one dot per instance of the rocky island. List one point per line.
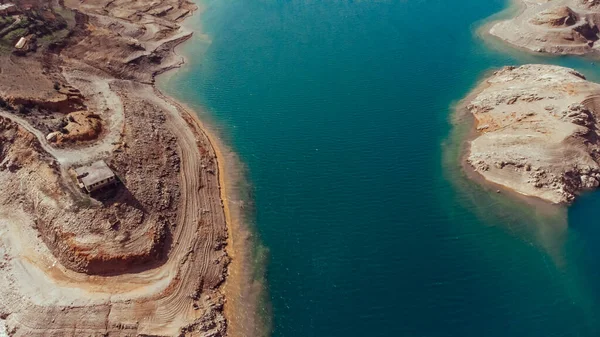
(144, 255)
(537, 131)
(553, 26)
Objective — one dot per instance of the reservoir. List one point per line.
(342, 114)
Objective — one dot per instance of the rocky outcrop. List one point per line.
(560, 16)
(557, 27)
(537, 131)
(76, 127)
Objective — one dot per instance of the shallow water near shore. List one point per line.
(341, 113)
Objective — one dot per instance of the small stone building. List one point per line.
(95, 176)
(21, 43)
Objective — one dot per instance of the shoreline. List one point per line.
(233, 213)
(513, 9)
(513, 13)
(523, 216)
(493, 42)
(240, 243)
(528, 139)
(181, 193)
(460, 114)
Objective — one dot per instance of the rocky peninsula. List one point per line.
(537, 131)
(553, 26)
(145, 255)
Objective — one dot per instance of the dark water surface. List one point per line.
(341, 112)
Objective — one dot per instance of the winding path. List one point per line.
(162, 302)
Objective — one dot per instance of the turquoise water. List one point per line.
(341, 111)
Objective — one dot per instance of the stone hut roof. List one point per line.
(95, 173)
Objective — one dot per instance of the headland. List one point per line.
(561, 27)
(143, 255)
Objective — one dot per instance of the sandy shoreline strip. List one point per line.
(242, 292)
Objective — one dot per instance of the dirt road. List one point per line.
(156, 302)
